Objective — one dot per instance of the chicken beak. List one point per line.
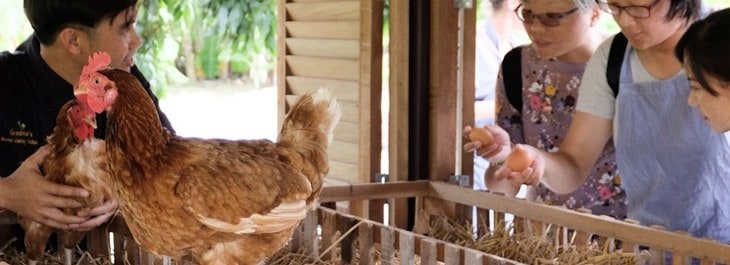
(80, 90)
(91, 121)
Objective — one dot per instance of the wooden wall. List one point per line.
(336, 44)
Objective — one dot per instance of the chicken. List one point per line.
(76, 158)
(222, 201)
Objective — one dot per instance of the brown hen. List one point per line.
(76, 158)
(223, 201)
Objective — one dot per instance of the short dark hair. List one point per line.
(703, 49)
(687, 9)
(49, 17)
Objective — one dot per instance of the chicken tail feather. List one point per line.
(308, 128)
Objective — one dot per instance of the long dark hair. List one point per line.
(703, 49)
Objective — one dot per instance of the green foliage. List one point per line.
(212, 33)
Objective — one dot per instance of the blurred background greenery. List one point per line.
(187, 40)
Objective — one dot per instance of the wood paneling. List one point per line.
(347, 30)
(324, 11)
(337, 45)
(342, 69)
(329, 48)
(343, 90)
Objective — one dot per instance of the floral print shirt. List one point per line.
(549, 94)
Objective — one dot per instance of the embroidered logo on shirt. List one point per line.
(19, 135)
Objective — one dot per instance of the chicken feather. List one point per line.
(223, 201)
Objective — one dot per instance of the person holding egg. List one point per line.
(563, 36)
(674, 167)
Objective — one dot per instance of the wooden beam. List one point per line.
(398, 102)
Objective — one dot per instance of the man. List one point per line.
(37, 79)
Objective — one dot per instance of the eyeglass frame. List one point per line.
(606, 7)
(542, 17)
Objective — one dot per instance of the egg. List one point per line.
(518, 160)
(482, 135)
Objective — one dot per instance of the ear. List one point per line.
(73, 40)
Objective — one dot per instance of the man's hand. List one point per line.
(28, 194)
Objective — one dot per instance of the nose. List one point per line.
(623, 19)
(135, 41)
(535, 26)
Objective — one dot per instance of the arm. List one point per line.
(566, 170)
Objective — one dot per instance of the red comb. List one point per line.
(97, 61)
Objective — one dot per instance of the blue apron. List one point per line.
(675, 169)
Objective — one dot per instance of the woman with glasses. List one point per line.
(674, 168)
(549, 72)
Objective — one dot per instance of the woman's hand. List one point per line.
(495, 151)
(530, 175)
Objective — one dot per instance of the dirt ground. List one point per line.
(222, 109)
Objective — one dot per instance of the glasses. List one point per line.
(547, 19)
(633, 10)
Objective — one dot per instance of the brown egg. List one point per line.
(519, 159)
(482, 135)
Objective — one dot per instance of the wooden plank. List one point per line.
(443, 68)
(319, 11)
(343, 171)
(365, 235)
(311, 237)
(428, 253)
(370, 191)
(347, 131)
(406, 247)
(328, 48)
(398, 109)
(472, 256)
(601, 225)
(342, 69)
(344, 30)
(343, 152)
(370, 76)
(329, 226)
(281, 66)
(387, 245)
(343, 90)
(452, 254)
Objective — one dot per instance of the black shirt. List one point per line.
(31, 95)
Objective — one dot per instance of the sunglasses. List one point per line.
(547, 19)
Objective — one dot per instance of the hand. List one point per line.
(497, 150)
(99, 215)
(530, 175)
(27, 193)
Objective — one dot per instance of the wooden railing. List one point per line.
(407, 244)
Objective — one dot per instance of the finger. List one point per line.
(67, 191)
(108, 206)
(502, 172)
(94, 222)
(60, 202)
(59, 219)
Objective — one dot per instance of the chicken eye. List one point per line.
(96, 80)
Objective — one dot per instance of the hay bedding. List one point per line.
(525, 247)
